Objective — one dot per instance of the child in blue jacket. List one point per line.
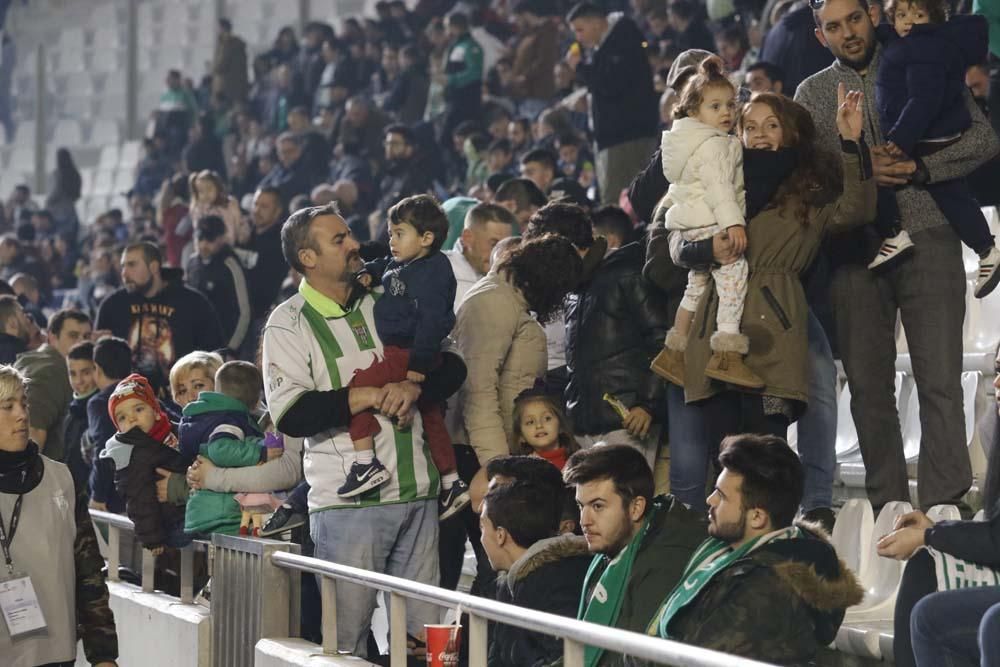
(920, 93)
(413, 316)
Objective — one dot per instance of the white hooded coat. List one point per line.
(704, 167)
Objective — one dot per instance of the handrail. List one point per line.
(572, 630)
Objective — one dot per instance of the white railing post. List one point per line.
(478, 639)
(572, 653)
(114, 552)
(397, 630)
(148, 571)
(328, 601)
(132, 72)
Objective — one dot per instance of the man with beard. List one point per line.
(927, 290)
(640, 542)
(403, 176)
(161, 318)
(760, 586)
(16, 329)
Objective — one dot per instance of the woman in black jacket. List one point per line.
(66, 190)
(958, 616)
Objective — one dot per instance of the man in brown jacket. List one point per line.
(535, 57)
(229, 66)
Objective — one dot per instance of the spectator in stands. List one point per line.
(48, 391)
(464, 76)
(519, 133)
(285, 47)
(315, 146)
(521, 197)
(18, 202)
(928, 289)
(614, 225)
(309, 63)
(733, 46)
(791, 46)
(403, 176)
(8, 58)
(171, 209)
(112, 364)
(539, 569)
(99, 278)
(503, 344)
(687, 20)
(209, 197)
(66, 575)
(623, 103)
(339, 77)
(284, 94)
(15, 258)
(204, 152)
(485, 226)
(539, 167)
(160, 317)
(66, 191)
(642, 542)
(290, 176)
(761, 586)
(176, 113)
(229, 64)
(398, 533)
(79, 449)
(535, 55)
(216, 272)
(155, 168)
(364, 126)
(269, 267)
(15, 329)
(407, 94)
(28, 293)
(763, 77)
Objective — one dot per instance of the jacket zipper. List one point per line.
(776, 307)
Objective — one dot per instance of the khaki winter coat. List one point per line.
(779, 249)
(504, 351)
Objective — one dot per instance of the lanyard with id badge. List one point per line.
(22, 614)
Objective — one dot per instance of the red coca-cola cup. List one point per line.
(443, 642)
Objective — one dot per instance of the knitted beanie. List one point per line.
(136, 386)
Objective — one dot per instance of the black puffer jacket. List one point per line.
(615, 325)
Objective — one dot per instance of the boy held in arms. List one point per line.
(413, 315)
(920, 94)
(145, 441)
(220, 426)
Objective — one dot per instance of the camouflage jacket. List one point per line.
(94, 619)
(778, 604)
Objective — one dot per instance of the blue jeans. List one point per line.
(818, 426)
(400, 540)
(957, 628)
(690, 450)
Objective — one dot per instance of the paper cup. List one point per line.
(443, 642)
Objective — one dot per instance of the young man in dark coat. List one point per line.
(538, 569)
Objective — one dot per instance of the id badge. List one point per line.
(19, 606)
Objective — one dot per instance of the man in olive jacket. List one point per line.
(641, 542)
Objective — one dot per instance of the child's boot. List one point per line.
(726, 363)
(669, 363)
(893, 249)
(989, 273)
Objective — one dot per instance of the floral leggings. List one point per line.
(730, 283)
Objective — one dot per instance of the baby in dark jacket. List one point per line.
(412, 316)
(920, 91)
(145, 441)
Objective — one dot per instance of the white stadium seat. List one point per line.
(104, 180)
(109, 156)
(67, 133)
(105, 132)
(130, 154)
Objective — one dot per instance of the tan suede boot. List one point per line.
(669, 363)
(726, 363)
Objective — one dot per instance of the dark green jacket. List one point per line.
(674, 534)
(779, 604)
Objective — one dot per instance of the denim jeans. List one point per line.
(818, 426)
(400, 540)
(689, 450)
(957, 628)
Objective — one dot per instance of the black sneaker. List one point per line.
(451, 501)
(283, 520)
(363, 478)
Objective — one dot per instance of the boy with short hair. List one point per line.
(920, 95)
(412, 317)
(145, 441)
(79, 449)
(112, 364)
(220, 426)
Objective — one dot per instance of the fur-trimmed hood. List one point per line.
(545, 552)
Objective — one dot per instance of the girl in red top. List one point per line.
(541, 428)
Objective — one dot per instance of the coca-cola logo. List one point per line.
(445, 658)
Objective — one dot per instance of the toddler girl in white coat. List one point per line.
(704, 165)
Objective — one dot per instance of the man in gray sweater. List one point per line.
(928, 290)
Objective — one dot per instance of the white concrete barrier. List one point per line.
(155, 630)
(300, 653)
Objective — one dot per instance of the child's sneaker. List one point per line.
(363, 477)
(453, 500)
(283, 520)
(989, 275)
(893, 249)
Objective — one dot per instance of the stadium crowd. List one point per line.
(551, 279)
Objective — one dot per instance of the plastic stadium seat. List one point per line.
(72, 39)
(86, 180)
(124, 180)
(911, 428)
(104, 133)
(107, 60)
(882, 575)
(911, 420)
(111, 106)
(130, 154)
(847, 435)
(852, 534)
(109, 37)
(22, 159)
(944, 513)
(25, 133)
(109, 157)
(67, 133)
(104, 180)
(982, 317)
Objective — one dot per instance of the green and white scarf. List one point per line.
(712, 557)
(605, 603)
